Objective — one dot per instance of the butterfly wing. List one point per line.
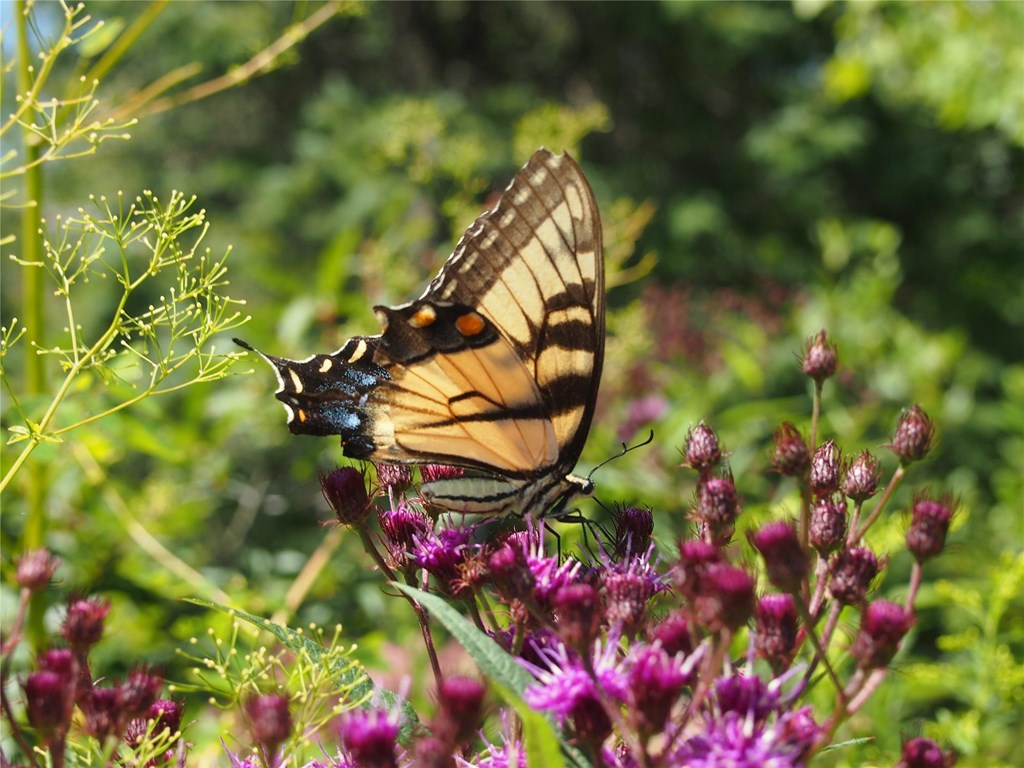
(495, 367)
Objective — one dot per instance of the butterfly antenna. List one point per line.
(625, 449)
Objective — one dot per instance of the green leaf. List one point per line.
(544, 745)
(351, 676)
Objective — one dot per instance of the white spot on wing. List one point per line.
(325, 366)
(296, 381)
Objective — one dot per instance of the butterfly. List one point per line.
(495, 368)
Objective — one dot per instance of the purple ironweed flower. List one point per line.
(790, 455)
(370, 739)
(510, 754)
(655, 680)
(913, 436)
(784, 559)
(825, 469)
(549, 574)
(164, 714)
(852, 573)
(820, 359)
(633, 529)
(828, 525)
(563, 682)
(726, 599)
(430, 473)
(83, 625)
(401, 528)
(776, 633)
(702, 449)
(920, 752)
(673, 634)
(393, 477)
(746, 728)
(344, 489)
(441, 553)
(926, 536)
(49, 701)
(461, 707)
(270, 722)
(882, 627)
(627, 587)
(717, 507)
(35, 569)
(861, 481)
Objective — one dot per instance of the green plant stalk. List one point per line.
(32, 313)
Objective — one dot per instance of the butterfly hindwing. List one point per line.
(495, 368)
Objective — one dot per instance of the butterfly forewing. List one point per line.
(496, 367)
(534, 266)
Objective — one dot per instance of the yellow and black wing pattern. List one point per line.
(496, 366)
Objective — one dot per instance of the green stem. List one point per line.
(32, 297)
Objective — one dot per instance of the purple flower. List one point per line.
(370, 739)
(745, 728)
(564, 684)
(549, 574)
(401, 528)
(441, 553)
(627, 588)
(656, 680)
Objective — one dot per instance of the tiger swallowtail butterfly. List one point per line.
(495, 368)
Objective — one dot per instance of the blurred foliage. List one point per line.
(850, 166)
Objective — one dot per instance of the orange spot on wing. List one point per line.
(470, 324)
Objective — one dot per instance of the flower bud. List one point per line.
(510, 573)
(270, 721)
(925, 753)
(590, 720)
(913, 437)
(104, 713)
(820, 359)
(49, 701)
(139, 691)
(164, 714)
(370, 738)
(784, 559)
(825, 470)
(717, 507)
(35, 569)
(861, 481)
(702, 449)
(394, 477)
(83, 625)
(790, 454)
(430, 473)
(626, 593)
(673, 634)
(882, 627)
(776, 630)
(926, 536)
(633, 529)
(695, 556)
(578, 615)
(726, 599)
(827, 531)
(461, 709)
(345, 491)
(852, 574)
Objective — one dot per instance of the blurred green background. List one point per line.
(763, 169)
